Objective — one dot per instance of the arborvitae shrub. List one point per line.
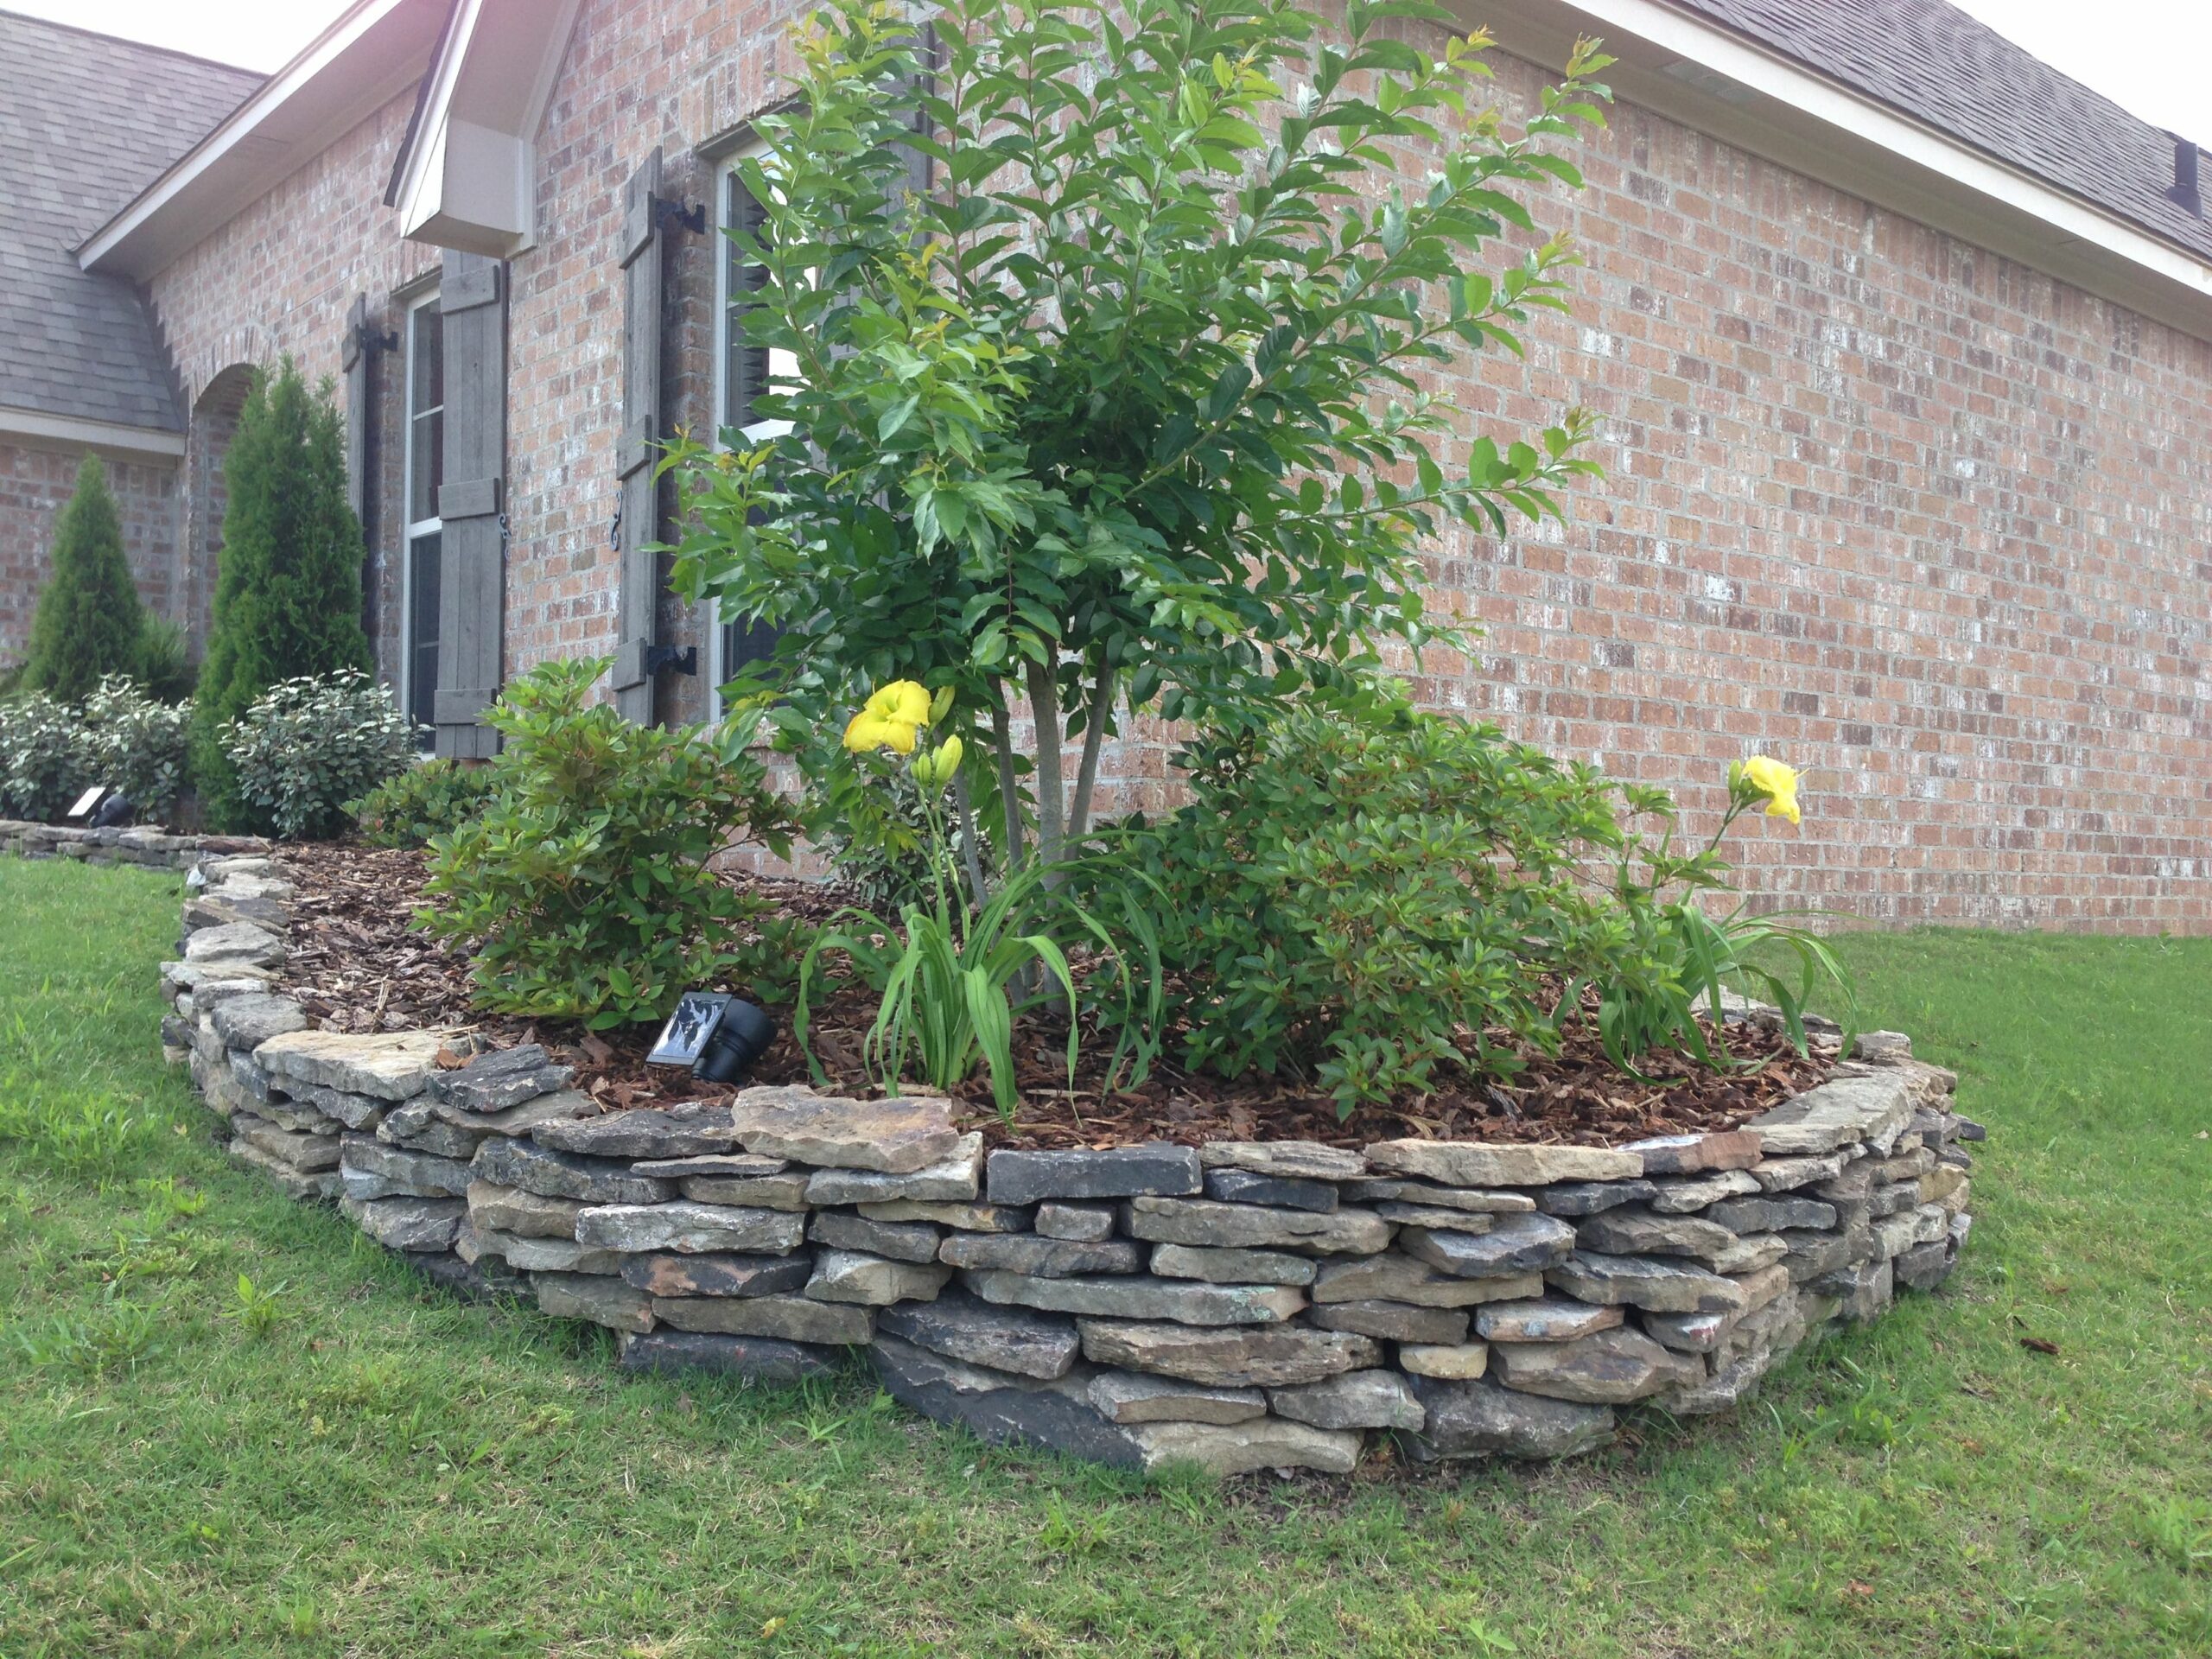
(89, 623)
(288, 585)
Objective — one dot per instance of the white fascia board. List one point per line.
(374, 52)
(1774, 107)
(108, 436)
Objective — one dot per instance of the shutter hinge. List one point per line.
(674, 215)
(614, 529)
(367, 339)
(503, 537)
(685, 661)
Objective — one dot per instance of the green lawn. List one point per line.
(344, 1462)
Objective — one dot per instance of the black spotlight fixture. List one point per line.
(719, 1037)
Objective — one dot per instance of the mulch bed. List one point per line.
(357, 964)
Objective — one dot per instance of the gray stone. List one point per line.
(966, 1217)
(1258, 1356)
(471, 1283)
(1904, 1165)
(598, 1298)
(716, 1273)
(1134, 1397)
(1231, 1266)
(1924, 1266)
(1693, 1155)
(1548, 1319)
(235, 944)
(1011, 1339)
(957, 1178)
(1690, 1333)
(248, 1021)
(1681, 1195)
(1837, 1113)
(1133, 1297)
(415, 1124)
(1232, 1185)
(1750, 1254)
(784, 1192)
(1653, 1282)
(1376, 1399)
(1609, 1369)
(764, 1359)
(1771, 1215)
(300, 1185)
(794, 1318)
(1881, 1048)
(901, 1241)
(503, 1078)
(873, 1281)
(511, 1210)
(373, 1170)
(1041, 1258)
(1812, 1253)
(1395, 1321)
(1863, 1291)
(691, 1229)
(308, 1153)
(1576, 1198)
(1475, 1418)
(1746, 1353)
(1427, 1195)
(1245, 1226)
(1970, 1130)
(1306, 1160)
(528, 1254)
(1392, 1277)
(1239, 1448)
(682, 1131)
(1082, 1224)
(561, 1106)
(1788, 1174)
(1463, 1163)
(1895, 1234)
(1459, 1362)
(385, 1066)
(1157, 1169)
(1001, 1407)
(1635, 1230)
(1437, 1219)
(1517, 1244)
(1854, 1185)
(406, 1223)
(742, 1166)
(565, 1174)
(251, 1079)
(898, 1136)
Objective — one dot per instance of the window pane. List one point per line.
(745, 366)
(423, 574)
(429, 388)
(746, 642)
(426, 464)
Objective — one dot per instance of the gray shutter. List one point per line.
(918, 163)
(353, 360)
(472, 296)
(637, 447)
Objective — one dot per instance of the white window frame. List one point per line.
(410, 528)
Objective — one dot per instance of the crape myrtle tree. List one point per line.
(1126, 410)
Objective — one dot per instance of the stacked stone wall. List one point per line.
(155, 849)
(1240, 1306)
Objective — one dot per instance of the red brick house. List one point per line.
(1902, 341)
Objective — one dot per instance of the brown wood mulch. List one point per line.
(358, 963)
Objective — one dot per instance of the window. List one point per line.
(743, 371)
(424, 472)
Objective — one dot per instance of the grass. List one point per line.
(230, 1426)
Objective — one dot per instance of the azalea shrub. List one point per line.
(432, 798)
(585, 886)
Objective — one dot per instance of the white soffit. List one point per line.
(1693, 72)
(58, 429)
(374, 52)
(468, 178)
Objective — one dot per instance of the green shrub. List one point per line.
(46, 757)
(1361, 900)
(584, 887)
(288, 585)
(89, 622)
(307, 746)
(118, 738)
(434, 798)
(165, 664)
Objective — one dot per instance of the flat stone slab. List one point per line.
(682, 1131)
(784, 1192)
(301, 1186)
(966, 1217)
(1693, 1155)
(873, 1281)
(1460, 1362)
(1647, 1281)
(1611, 1368)
(1209, 1223)
(1134, 1397)
(396, 1173)
(523, 1118)
(1478, 1419)
(1376, 1399)
(1283, 1192)
(1428, 1196)
(1682, 1195)
(1085, 1224)
(1548, 1319)
(385, 1066)
(1836, 1114)
(896, 1137)
(901, 1241)
(1256, 1356)
(1230, 1266)
(250, 1020)
(1770, 1215)
(307, 1154)
(1040, 1258)
(1011, 1339)
(1394, 1321)
(1467, 1163)
(1240, 1448)
(1515, 1245)
(1588, 1197)
(527, 1254)
(1001, 1407)
(565, 1174)
(794, 1318)
(956, 1179)
(716, 1273)
(764, 1359)
(741, 1165)
(503, 1077)
(1160, 1168)
(1296, 1159)
(1392, 1277)
(1134, 1297)
(1635, 1230)
(1436, 1217)
(594, 1297)
(691, 1229)
(1749, 1253)
(1788, 1174)
(235, 942)
(406, 1224)
(533, 1215)
(415, 1125)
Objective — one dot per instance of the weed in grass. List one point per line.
(2179, 1530)
(257, 1308)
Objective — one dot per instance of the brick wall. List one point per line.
(1894, 509)
(36, 481)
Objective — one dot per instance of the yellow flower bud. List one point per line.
(1775, 783)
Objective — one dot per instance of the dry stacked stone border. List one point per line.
(155, 849)
(1262, 1305)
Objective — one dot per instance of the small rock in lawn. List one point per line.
(1460, 1362)
(1230, 1266)
(1588, 1197)
(511, 1210)
(1232, 1185)
(1011, 1339)
(1160, 1168)
(1461, 1163)
(873, 1281)
(1609, 1368)
(1376, 1399)
(690, 1228)
(1256, 1356)
(1208, 1223)
(1474, 1200)
(1391, 1277)
(601, 1299)
(795, 1319)
(1293, 1160)
(1134, 1397)
(1547, 1318)
(1394, 1321)
(1693, 1155)
(1478, 1419)
(406, 1223)
(967, 1218)
(682, 1131)
(902, 1241)
(957, 1179)
(1041, 1258)
(717, 1274)
(1635, 1230)
(898, 1136)
(1239, 1448)
(1133, 1297)
(1661, 1285)
(1082, 1224)
(564, 1174)
(1517, 1244)
(765, 1359)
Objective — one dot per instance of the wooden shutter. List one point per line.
(638, 447)
(472, 503)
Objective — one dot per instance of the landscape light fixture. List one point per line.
(719, 1037)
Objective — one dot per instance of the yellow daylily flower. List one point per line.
(934, 772)
(1776, 782)
(892, 719)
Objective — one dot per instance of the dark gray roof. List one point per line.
(85, 122)
(1933, 62)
